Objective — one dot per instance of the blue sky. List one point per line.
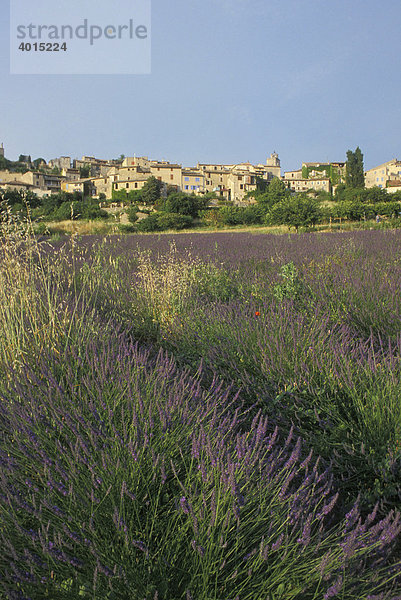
(232, 81)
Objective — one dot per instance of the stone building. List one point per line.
(380, 176)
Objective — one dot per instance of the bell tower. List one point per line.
(2, 150)
(273, 165)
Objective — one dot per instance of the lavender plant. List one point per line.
(123, 478)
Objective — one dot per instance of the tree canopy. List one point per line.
(297, 211)
(151, 191)
(355, 176)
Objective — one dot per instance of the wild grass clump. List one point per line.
(33, 312)
(42, 306)
(123, 478)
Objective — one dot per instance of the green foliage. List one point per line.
(174, 221)
(362, 194)
(76, 210)
(184, 204)
(355, 177)
(326, 170)
(291, 286)
(124, 228)
(132, 214)
(151, 191)
(275, 192)
(20, 198)
(37, 162)
(85, 171)
(242, 215)
(212, 217)
(127, 196)
(13, 166)
(297, 211)
(162, 221)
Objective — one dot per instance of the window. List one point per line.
(186, 178)
(136, 185)
(186, 187)
(171, 176)
(241, 187)
(192, 187)
(127, 185)
(116, 186)
(239, 177)
(197, 179)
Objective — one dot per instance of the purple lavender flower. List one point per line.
(334, 589)
(184, 505)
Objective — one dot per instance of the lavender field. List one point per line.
(205, 417)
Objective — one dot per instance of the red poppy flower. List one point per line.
(257, 314)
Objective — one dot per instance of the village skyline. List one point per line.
(104, 178)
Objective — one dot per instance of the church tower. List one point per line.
(2, 150)
(273, 165)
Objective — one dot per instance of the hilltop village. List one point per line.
(102, 178)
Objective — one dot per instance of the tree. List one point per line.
(151, 191)
(84, 172)
(355, 176)
(298, 211)
(275, 192)
(184, 204)
(38, 162)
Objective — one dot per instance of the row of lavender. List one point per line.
(123, 478)
(129, 474)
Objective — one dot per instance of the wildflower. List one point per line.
(257, 314)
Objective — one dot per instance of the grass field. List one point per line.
(204, 417)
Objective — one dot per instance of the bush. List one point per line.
(126, 483)
(132, 214)
(174, 221)
(124, 228)
(184, 204)
(163, 221)
(151, 223)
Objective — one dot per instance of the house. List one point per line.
(323, 184)
(193, 181)
(393, 186)
(381, 175)
(82, 186)
(335, 171)
(64, 162)
(168, 173)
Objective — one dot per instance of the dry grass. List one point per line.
(165, 284)
(33, 315)
(82, 227)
